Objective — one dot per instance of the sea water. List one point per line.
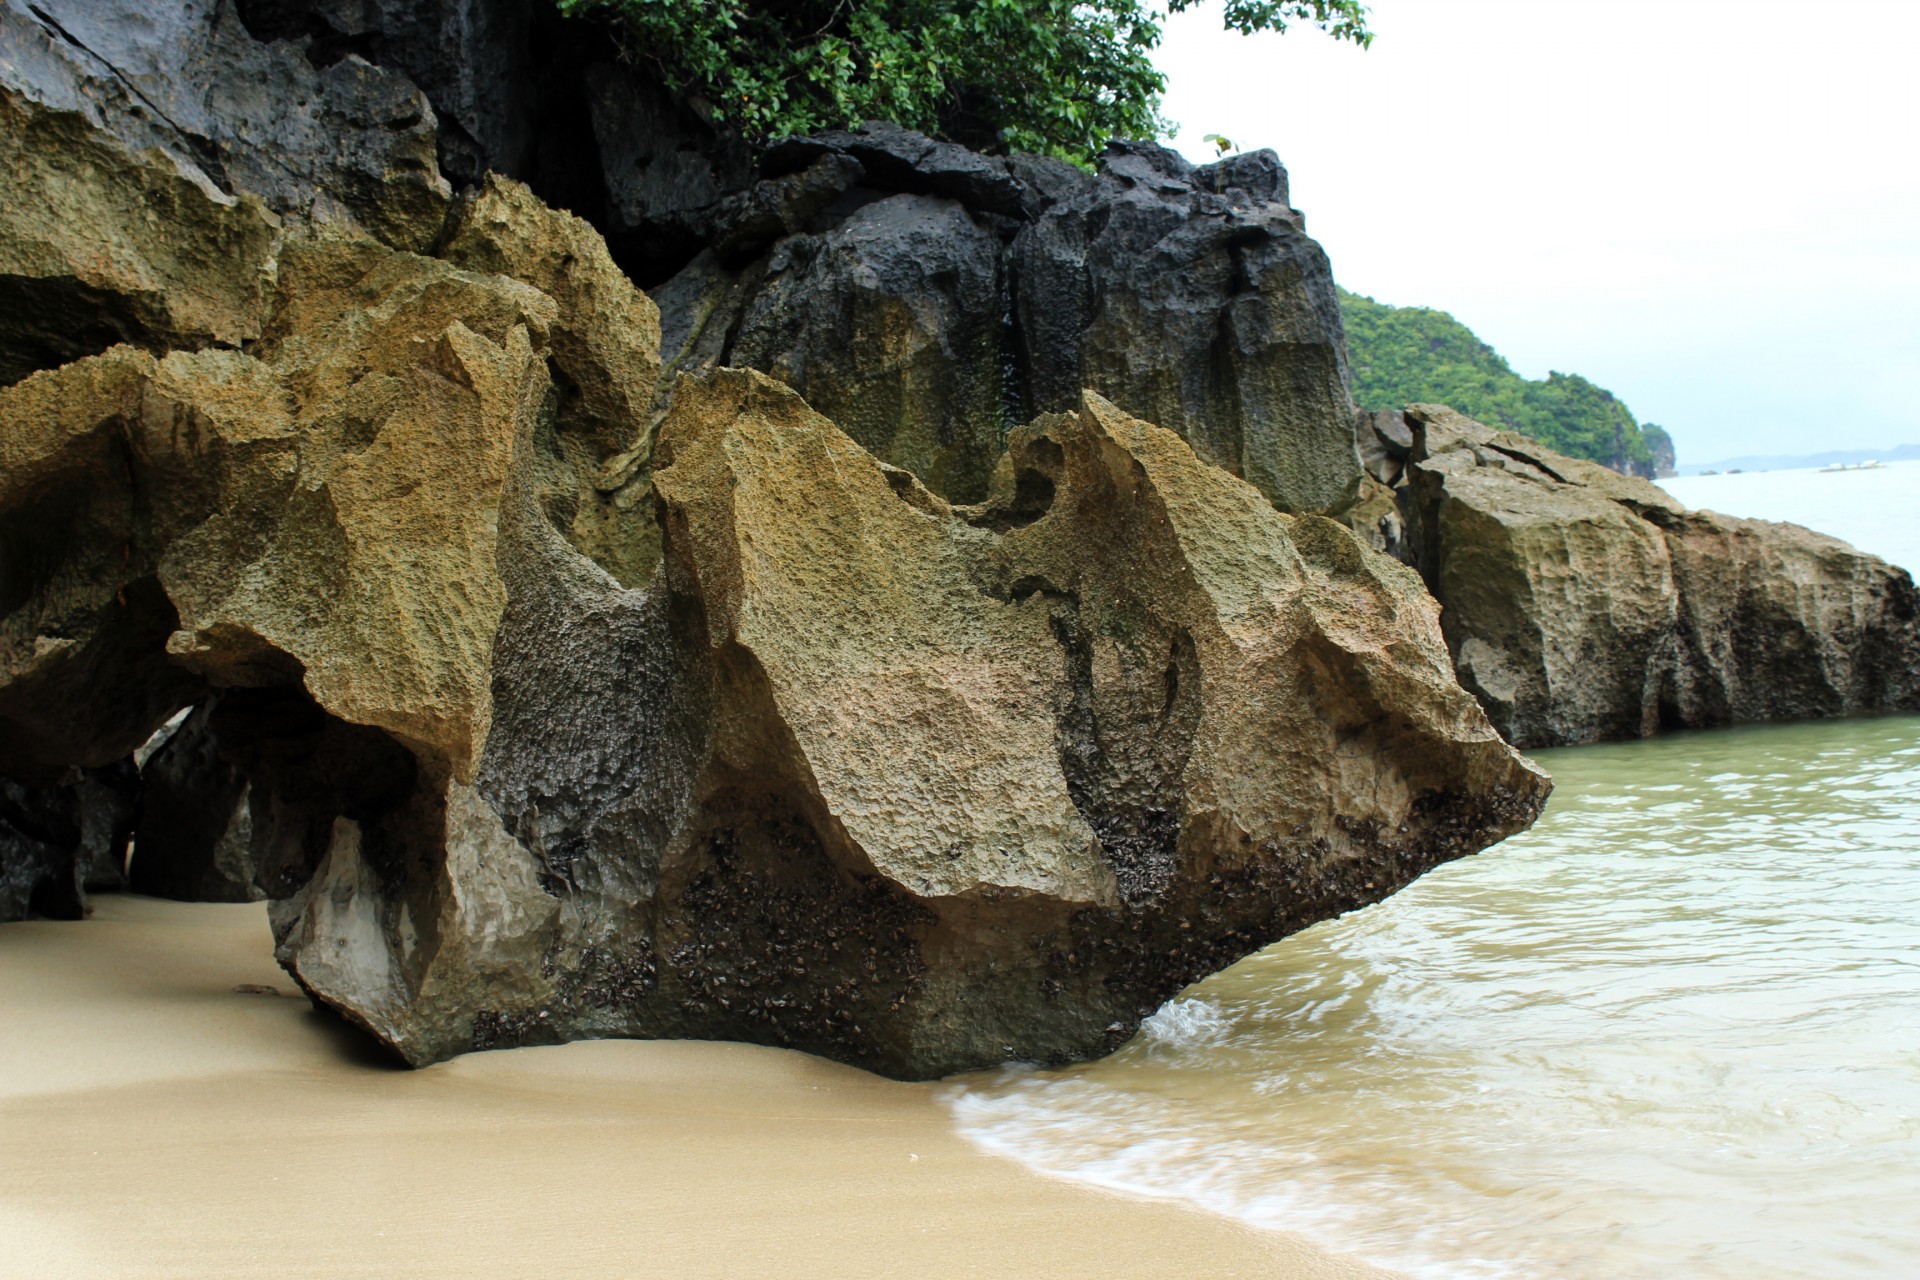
(1672, 1030)
(1877, 510)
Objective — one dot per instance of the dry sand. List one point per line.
(160, 1118)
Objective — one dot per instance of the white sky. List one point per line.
(1710, 207)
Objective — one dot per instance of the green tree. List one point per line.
(1406, 355)
(1057, 77)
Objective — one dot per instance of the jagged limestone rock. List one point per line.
(1375, 518)
(913, 786)
(105, 464)
(928, 298)
(474, 59)
(100, 246)
(916, 786)
(606, 333)
(342, 142)
(781, 746)
(605, 343)
(1385, 441)
(1781, 623)
(408, 378)
(1193, 297)
(314, 518)
(1581, 604)
(891, 323)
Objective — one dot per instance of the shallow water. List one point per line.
(1673, 1030)
(1874, 510)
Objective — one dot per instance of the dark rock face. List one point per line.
(928, 298)
(890, 324)
(62, 841)
(1202, 305)
(1580, 604)
(899, 159)
(474, 59)
(345, 142)
(536, 724)
(551, 102)
(194, 838)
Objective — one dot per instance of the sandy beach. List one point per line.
(170, 1107)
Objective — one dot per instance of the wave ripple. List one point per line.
(1674, 1029)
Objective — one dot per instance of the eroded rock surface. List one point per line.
(1580, 604)
(341, 141)
(913, 786)
(101, 246)
(927, 297)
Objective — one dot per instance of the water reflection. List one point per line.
(1675, 1028)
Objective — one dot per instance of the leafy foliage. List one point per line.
(1405, 355)
(1057, 77)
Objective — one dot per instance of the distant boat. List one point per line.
(1871, 464)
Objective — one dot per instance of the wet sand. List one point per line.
(169, 1107)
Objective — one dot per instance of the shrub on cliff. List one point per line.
(1407, 355)
(1057, 77)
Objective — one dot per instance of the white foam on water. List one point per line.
(1184, 1023)
(1105, 1139)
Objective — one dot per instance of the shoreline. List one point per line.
(174, 1108)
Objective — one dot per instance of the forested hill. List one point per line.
(1405, 355)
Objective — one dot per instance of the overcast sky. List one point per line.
(1710, 207)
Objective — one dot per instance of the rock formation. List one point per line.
(64, 839)
(894, 697)
(927, 298)
(193, 840)
(536, 722)
(1580, 604)
(924, 296)
(336, 140)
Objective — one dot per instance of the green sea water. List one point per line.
(1673, 1030)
